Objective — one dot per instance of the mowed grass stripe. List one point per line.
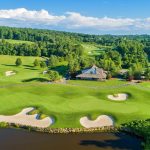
(63, 101)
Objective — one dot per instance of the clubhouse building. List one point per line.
(93, 73)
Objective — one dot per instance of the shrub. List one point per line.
(53, 75)
(43, 64)
(18, 62)
(109, 76)
(36, 63)
(140, 128)
(4, 125)
(129, 75)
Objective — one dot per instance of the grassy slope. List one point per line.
(18, 41)
(26, 71)
(93, 49)
(67, 103)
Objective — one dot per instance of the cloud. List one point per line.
(33, 16)
(22, 17)
(77, 20)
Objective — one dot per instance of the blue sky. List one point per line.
(86, 16)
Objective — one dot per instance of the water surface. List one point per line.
(12, 139)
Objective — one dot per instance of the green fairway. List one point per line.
(18, 41)
(26, 71)
(68, 102)
(94, 50)
(146, 84)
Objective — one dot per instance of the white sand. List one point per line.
(101, 121)
(45, 72)
(118, 97)
(23, 118)
(9, 73)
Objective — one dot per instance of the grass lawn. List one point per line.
(146, 84)
(107, 83)
(93, 49)
(68, 102)
(26, 71)
(18, 41)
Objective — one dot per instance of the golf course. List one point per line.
(68, 102)
(62, 82)
(75, 75)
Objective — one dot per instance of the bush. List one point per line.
(129, 75)
(18, 62)
(142, 129)
(4, 125)
(53, 75)
(43, 64)
(36, 63)
(109, 76)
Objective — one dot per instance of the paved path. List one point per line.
(104, 86)
(138, 85)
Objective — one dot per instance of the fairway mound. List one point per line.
(9, 73)
(101, 121)
(23, 118)
(118, 97)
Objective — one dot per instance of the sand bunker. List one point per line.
(118, 97)
(101, 121)
(23, 118)
(9, 73)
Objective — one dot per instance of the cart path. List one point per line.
(138, 85)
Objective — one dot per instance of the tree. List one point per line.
(18, 62)
(78, 49)
(109, 65)
(73, 67)
(132, 52)
(129, 75)
(53, 61)
(36, 63)
(109, 76)
(147, 74)
(53, 75)
(43, 64)
(137, 70)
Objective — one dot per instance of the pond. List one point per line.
(16, 139)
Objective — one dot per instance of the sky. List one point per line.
(85, 16)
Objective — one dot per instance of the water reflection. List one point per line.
(11, 139)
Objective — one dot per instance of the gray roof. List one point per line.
(93, 72)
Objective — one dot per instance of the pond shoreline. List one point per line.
(108, 129)
(60, 130)
(24, 139)
(74, 131)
